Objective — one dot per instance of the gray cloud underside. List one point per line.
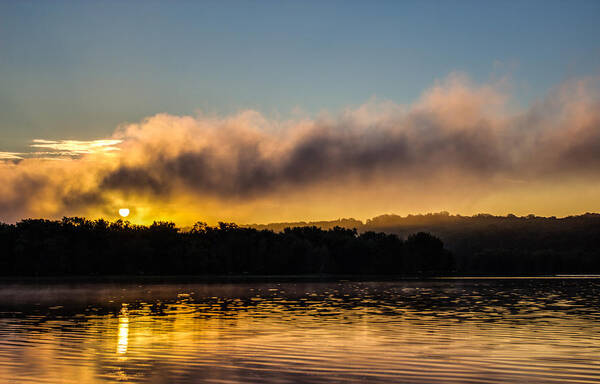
(417, 147)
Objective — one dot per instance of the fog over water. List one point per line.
(459, 330)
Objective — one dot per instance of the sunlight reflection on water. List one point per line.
(479, 331)
(123, 331)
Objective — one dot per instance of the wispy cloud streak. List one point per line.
(75, 148)
(11, 156)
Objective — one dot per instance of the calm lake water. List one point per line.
(463, 331)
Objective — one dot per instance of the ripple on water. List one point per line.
(462, 331)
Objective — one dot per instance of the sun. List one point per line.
(124, 212)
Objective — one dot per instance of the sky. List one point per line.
(270, 111)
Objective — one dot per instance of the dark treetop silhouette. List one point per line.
(76, 246)
(478, 245)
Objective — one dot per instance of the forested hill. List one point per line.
(487, 244)
(442, 221)
(325, 224)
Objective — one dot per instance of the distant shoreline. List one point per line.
(267, 278)
(424, 247)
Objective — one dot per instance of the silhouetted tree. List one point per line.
(77, 246)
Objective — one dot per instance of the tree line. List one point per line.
(78, 246)
(486, 244)
(394, 245)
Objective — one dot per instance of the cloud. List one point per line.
(455, 127)
(63, 149)
(11, 156)
(74, 148)
(458, 135)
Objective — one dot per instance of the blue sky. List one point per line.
(77, 69)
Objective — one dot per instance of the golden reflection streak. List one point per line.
(123, 331)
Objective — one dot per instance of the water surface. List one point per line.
(463, 331)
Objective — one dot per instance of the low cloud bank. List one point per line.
(459, 132)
